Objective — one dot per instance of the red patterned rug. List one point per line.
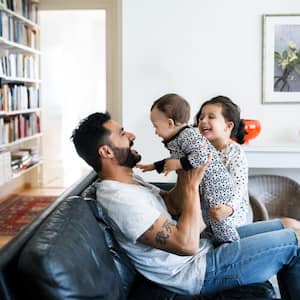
(19, 210)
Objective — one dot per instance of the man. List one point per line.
(170, 252)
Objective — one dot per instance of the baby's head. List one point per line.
(169, 114)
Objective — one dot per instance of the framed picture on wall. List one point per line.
(3, 3)
(281, 59)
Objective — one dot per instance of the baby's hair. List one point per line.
(231, 112)
(174, 107)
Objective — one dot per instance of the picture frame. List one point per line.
(281, 59)
(3, 3)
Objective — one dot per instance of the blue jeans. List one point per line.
(265, 249)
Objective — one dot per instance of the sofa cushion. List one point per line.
(124, 266)
(67, 258)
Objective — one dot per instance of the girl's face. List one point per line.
(164, 127)
(213, 125)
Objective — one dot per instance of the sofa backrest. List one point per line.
(68, 258)
(123, 264)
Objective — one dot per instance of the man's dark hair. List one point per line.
(231, 112)
(89, 136)
(174, 107)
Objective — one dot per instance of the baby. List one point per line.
(189, 149)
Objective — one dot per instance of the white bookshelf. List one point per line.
(27, 170)
(21, 141)
(18, 16)
(20, 105)
(18, 112)
(9, 45)
(20, 79)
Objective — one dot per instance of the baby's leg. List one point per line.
(218, 188)
(224, 231)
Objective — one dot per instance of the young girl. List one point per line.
(219, 121)
(189, 149)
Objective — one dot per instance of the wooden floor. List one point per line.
(41, 191)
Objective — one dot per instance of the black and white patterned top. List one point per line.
(217, 186)
(235, 160)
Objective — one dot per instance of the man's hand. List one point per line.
(146, 168)
(171, 164)
(193, 177)
(220, 212)
(186, 180)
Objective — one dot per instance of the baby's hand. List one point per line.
(146, 168)
(220, 212)
(171, 164)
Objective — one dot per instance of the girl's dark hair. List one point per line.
(89, 136)
(174, 107)
(231, 112)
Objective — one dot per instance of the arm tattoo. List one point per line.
(168, 226)
(162, 236)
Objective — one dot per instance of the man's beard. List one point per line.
(125, 157)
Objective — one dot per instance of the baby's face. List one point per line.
(164, 127)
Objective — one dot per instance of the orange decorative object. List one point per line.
(253, 129)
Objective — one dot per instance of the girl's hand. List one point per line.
(220, 212)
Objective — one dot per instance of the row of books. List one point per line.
(18, 65)
(16, 127)
(15, 30)
(24, 158)
(5, 166)
(18, 97)
(25, 8)
(16, 161)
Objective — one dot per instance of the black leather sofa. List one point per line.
(69, 253)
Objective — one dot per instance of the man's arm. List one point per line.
(182, 238)
(173, 198)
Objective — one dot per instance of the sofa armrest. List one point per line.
(68, 258)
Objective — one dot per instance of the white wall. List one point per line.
(199, 49)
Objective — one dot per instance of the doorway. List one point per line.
(73, 73)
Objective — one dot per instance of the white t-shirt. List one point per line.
(130, 210)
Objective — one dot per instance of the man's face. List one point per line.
(126, 157)
(121, 143)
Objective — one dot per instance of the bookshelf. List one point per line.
(20, 107)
